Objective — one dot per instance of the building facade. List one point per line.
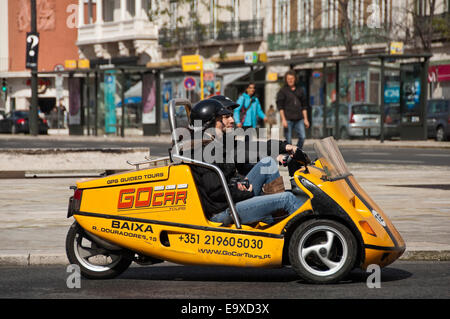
(58, 34)
(281, 34)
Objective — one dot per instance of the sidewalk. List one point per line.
(33, 212)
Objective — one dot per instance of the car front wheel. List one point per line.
(322, 251)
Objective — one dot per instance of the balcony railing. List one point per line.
(324, 38)
(132, 29)
(204, 33)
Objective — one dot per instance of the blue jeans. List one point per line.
(260, 208)
(299, 127)
(265, 171)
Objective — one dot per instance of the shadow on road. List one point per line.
(235, 274)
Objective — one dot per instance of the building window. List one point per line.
(282, 16)
(131, 8)
(109, 6)
(213, 16)
(173, 14)
(305, 17)
(147, 7)
(256, 5)
(235, 10)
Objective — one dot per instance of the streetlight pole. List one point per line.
(33, 115)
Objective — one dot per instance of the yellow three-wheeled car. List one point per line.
(155, 214)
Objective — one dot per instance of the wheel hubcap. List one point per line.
(93, 257)
(323, 251)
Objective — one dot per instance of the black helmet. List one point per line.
(206, 112)
(226, 101)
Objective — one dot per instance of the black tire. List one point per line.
(108, 264)
(322, 251)
(344, 134)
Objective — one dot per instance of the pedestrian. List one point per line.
(271, 117)
(249, 111)
(62, 114)
(292, 104)
(54, 117)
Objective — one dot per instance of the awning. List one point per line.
(132, 96)
(229, 75)
(130, 100)
(439, 73)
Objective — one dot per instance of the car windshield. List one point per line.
(331, 159)
(21, 114)
(365, 109)
(437, 106)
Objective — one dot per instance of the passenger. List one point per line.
(264, 178)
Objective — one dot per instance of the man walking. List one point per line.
(292, 104)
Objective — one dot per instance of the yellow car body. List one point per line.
(157, 212)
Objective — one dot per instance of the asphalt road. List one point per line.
(401, 280)
(380, 155)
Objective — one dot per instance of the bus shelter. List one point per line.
(387, 80)
(109, 99)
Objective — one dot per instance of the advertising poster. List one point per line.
(110, 105)
(74, 101)
(392, 91)
(166, 97)
(410, 93)
(148, 99)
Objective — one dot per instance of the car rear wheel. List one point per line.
(95, 262)
(440, 134)
(322, 251)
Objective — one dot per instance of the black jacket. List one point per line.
(292, 102)
(211, 192)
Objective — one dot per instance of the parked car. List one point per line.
(17, 122)
(355, 120)
(438, 119)
(364, 120)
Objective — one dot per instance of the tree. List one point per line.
(419, 24)
(358, 22)
(181, 32)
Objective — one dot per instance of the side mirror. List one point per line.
(295, 162)
(301, 157)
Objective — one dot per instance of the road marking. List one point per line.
(374, 153)
(402, 161)
(434, 155)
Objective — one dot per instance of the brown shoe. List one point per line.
(275, 186)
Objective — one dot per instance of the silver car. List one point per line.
(363, 120)
(355, 120)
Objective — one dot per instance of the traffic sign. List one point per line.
(189, 83)
(32, 50)
(191, 63)
(251, 57)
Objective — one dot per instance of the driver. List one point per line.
(263, 178)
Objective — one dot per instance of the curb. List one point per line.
(33, 260)
(39, 259)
